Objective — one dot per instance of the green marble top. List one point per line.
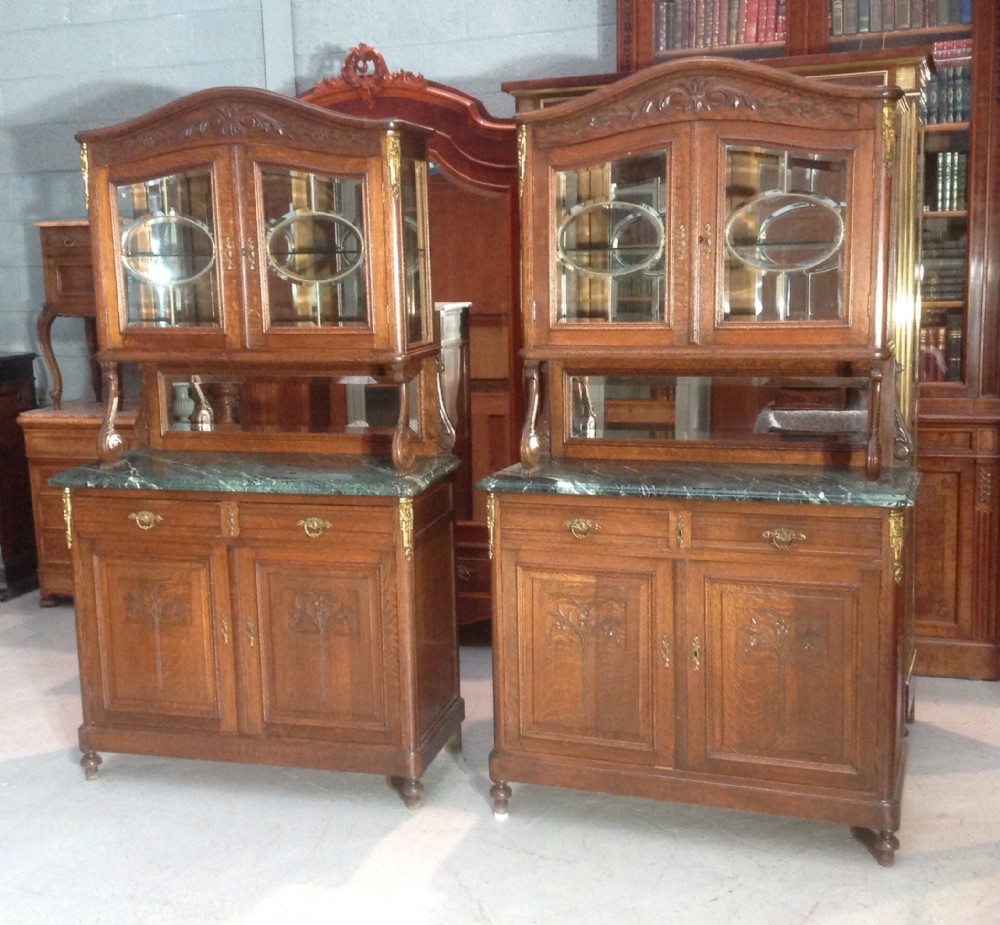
(260, 473)
(709, 482)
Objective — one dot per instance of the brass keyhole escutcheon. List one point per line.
(314, 526)
(145, 520)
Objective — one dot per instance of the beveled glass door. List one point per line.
(171, 253)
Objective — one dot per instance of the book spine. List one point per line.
(837, 17)
(902, 14)
(864, 16)
(732, 33)
(850, 17)
(953, 347)
(888, 15)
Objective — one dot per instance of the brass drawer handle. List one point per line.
(314, 526)
(145, 520)
(783, 538)
(581, 527)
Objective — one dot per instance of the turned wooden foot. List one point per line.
(90, 762)
(50, 600)
(410, 789)
(500, 792)
(454, 744)
(882, 844)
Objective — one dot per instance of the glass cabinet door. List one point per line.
(169, 251)
(778, 255)
(610, 238)
(783, 235)
(315, 250)
(416, 254)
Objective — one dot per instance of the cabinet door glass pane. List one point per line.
(609, 241)
(315, 250)
(413, 188)
(168, 243)
(784, 236)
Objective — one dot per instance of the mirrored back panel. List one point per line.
(744, 410)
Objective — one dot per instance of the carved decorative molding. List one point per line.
(984, 489)
(698, 94)
(589, 620)
(366, 73)
(156, 604)
(768, 635)
(319, 613)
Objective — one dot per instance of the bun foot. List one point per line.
(51, 600)
(882, 844)
(410, 789)
(90, 762)
(500, 792)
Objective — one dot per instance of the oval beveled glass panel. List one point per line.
(167, 250)
(610, 238)
(315, 247)
(786, 232)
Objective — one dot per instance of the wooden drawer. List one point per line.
(65, 238)
(583, 522)
(785, 530)
(315, 520)
(141, 515)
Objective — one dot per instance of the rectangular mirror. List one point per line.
(259, 404)
(734, 409)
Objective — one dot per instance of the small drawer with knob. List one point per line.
(312, 521)
(582, 523)
(787, 530)
(140, 515)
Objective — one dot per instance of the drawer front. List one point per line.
(318, 521)
(59, 240)
(71, 446)
(588, 522)
(141, 515)
(784, 530)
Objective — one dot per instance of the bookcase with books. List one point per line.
(958, 434)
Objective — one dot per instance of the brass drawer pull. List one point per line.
(145, 520)
(581, 527)
(314, 526)
(783, 538)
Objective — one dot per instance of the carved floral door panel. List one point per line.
(156, 633)
(781, 671)
(319, 641)
(587, 641)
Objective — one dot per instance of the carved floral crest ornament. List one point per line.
(366, 73)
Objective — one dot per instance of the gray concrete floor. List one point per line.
(158, 840)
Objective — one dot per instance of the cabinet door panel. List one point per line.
(581, 635)
(781, 672)
(155, 632)
(316, 643)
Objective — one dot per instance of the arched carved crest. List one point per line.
(366, 73)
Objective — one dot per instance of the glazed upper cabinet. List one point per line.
(710, 210)
(243, 220)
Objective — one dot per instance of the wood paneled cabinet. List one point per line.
(247, 629)
(54, 440)
(701, 565)
(745, 654)
(267, 575)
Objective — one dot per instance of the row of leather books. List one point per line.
(940, 349)
(710, 23)
(852, 17)
(947, 182)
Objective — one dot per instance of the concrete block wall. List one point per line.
(67, 65)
